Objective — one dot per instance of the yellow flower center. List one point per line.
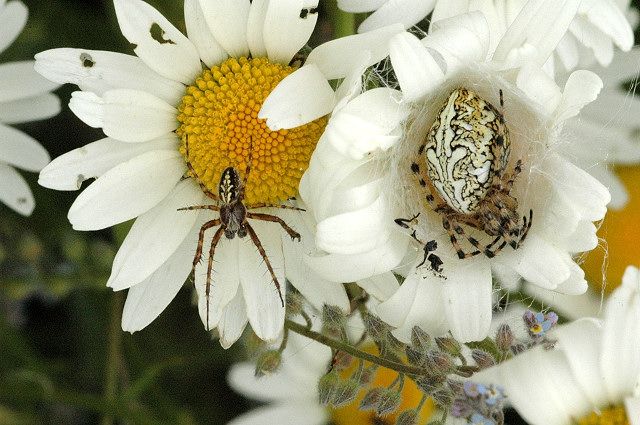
(615, 415)
(219, 120)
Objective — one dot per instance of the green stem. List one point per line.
(344, 23)
(342, 346)
(113, 353)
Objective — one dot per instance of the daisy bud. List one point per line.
(367, 375)
(482, 358)
(408, 417)
(327, 387)
(333, 320)
(389, 402)
(268, 362)
(345, 392)
(518, 348)
(449, 345)
(341, 361)
(371, 399)
(420, 339)
(504, 337)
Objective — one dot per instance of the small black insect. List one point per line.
(233, 219)
(435, 262)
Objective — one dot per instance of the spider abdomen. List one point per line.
(466, 150)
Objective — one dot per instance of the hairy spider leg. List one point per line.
(284, 207)
(404, 222)
(206, 226)
(258, 244)
(212, 250)
(275, 219)
(195, 175)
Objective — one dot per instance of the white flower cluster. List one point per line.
(433, 168)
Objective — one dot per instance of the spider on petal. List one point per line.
(466, 154)
(233, 219)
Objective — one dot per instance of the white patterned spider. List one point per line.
(466, 154)
(233, 219)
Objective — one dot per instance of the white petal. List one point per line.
(448, 9)
(351, 268)
(127, 190)
(540, 24)
(575, 284)
(285, 107)
(13, 16)
(382, 107)
(571, 306)
(155, 236)
(467, 296)
(354, 232)
(539, 262)
(233, 321)
(592, 38)
(542, 378)
(579, 341)
(610, 19)
(225, 277)
(67, 172)
(31, 109)
(149, 298)
(210, 51)
(632, 405)
(14, 191)
(337, 58)
(584, 193)
(127, 115)
(567, 51)
(283, 45)
(18, 80)
(21, 150)
(406, 12)
(309, 413)
(99, 71)
(621, 337)
(581, 88)
(359, 6)
(382, 286)
(394, 310)
(255, 28)
(539, 87)
(268, 388)
(227, 21)
(460, 39)
(158, 43)
(264, 307)
(418, 73)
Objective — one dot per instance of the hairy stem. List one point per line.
(343, 23)
(113, 354)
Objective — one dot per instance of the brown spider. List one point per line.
(466, 153)
(233, 219)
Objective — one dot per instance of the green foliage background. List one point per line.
(63, 356)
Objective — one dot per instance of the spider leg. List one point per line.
(284, 207)
(200, 207)
(526, 225)
(415, 168)
(268, 217)
(446, 223)
(512, 178)
(195, 175)
(404, 222)
(246, 170)
(206, 226)
(212, 250)
(258, 244)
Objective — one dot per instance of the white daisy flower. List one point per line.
(597, 26)
(24, 96)
(161, 111)
(356, 190)
(592, 376)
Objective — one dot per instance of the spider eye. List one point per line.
(229, 234)
(242, 232)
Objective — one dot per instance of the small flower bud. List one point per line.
(327, 387)
(482, 358)
(442, 397)
(420, 339)
(408, 417)
(389, 402)
(376, 328)
(341, 361)
(333, 320)
(504, 337)
(367, 375)
(414, 356)
(371, 399)
(295, 303)
(268, 362)
(449, 345)
(345, 392)
(439, 362)
(518, 348)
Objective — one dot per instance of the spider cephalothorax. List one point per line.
(233, 219)
(466, 153)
